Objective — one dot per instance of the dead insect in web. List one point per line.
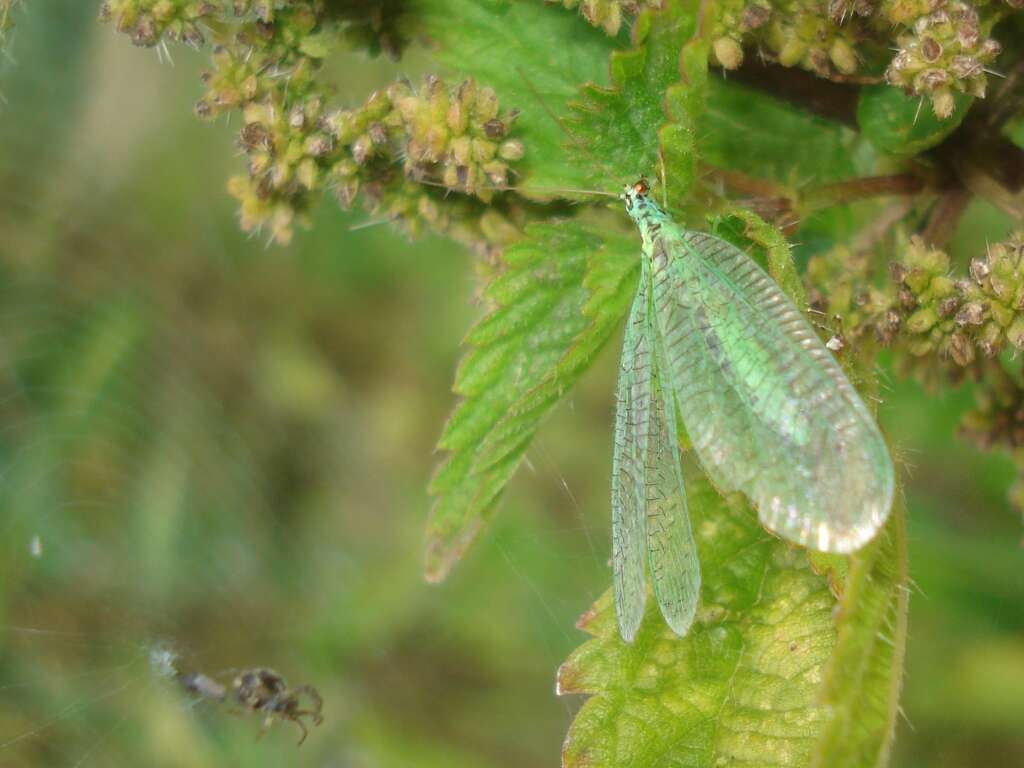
(203, 686)
(264, 691)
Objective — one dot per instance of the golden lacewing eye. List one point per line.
(641, 187)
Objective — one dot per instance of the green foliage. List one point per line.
(773, 671)
(942, 47)
(741, 687)
(784, 144)
(536, 60)
(615, 130)
(685, 106)
(557, 302)
(608, 284)
(794, 660)
(894, 122)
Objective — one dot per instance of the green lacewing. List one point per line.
(767, 409)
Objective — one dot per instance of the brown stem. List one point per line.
(736, 182)
(771, 201)
(840, 192)
(945, 216)
(779, 204)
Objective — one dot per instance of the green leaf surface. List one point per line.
(753, 133)
(740, 689)
(616, 129)
(610, 283)
(535, 57)
(685, 105)
(564, 289)
(905, 125)
(775, 671)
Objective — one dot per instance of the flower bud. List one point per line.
(979, 270)
(319, 145)
(961, 349)
(483, 150)
(486, 105)
(948, 306)
(843, 56)
(362, 149)
(754, 17)
(930, 50)
(728, 52)
(922, 320)
(511, 150)
(971, 314)
(306, 173)
(462, 150)
(1015, 333)
(457, 117)
(494, 129)
(497, 172)
(255, 136)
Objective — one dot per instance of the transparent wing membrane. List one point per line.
(767, 408)
(672, 552)
(628, 493)
(649, 514)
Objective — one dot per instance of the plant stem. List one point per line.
(842, 192)
(944, 217)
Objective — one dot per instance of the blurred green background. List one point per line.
(219, 449)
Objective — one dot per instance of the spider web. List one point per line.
(213, 455)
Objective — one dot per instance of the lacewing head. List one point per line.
(632, 192)
(635, 196)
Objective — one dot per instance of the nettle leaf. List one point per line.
(771, 674)
(535, 57)
(905, 125)
(794, 659)
(564, 289)
(753, 133)
(685, 105)
(610, 282)
(788, 648)
(741, 688)
(616, 129)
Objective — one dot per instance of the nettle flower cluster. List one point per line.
(922, 307)
(403, 151)
(997, 422)
(149, 21)
(927, 314)
(406, 149)
(455, 138)
(796, 33)
(941, 47)
(942, 52)
(608, 14)
(961, 318)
